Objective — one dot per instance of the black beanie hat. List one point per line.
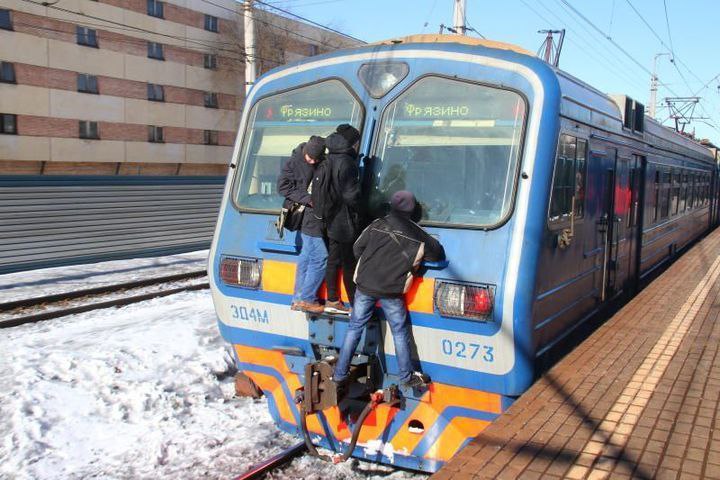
(403, 201)
(315, 147)
(349, 133)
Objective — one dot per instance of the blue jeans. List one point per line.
(310, 271)
(396, 316)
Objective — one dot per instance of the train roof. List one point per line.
(580, 100)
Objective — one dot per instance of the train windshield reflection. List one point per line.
(455, 145)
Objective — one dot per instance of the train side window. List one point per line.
(656, 196)
(691, 188)
(675, 192)
(683, 191)
(569, 179)
(665, 194)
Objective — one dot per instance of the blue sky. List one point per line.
(694, 38)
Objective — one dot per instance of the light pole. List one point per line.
(654, 83)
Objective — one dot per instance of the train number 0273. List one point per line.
(468, 350)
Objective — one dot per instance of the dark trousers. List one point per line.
(340, 254)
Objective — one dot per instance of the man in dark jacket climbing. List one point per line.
(342, 224)
(389, 251)
(293, 184)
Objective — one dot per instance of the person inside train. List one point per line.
(389, 251)
(343, 224)
(294, 183)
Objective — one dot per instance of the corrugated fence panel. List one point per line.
(49, 221)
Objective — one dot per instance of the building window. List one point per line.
(8, 123)
(569, 179)
(210, 61)
(211, 137)
(86, 36)
(155, 8)
(155, 134)
(155, 50)
(89, 130)
(211, 23)
(211, 100)
(5, 20)
(155, 93)
(7, 72)
(313, 49)
(87, 83)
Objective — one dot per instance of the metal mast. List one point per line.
(459, 17)
(249, 45)
(654, 85)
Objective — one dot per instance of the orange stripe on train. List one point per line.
(433, 402)
(279, 277)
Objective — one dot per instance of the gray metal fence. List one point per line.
(50, 221)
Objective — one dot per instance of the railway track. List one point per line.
(261, 469)
(30, 310)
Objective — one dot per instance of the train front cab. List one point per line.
(434, 120)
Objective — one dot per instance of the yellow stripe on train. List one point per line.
(279, 277)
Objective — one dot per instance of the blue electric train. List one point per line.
(551, 199)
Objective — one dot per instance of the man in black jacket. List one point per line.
(293, 184)
(342, 225)
(389, 251)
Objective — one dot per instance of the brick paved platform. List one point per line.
(639, 398)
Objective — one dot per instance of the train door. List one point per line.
(634, 219)
(619, 224)
(605, 226)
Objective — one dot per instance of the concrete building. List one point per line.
(132, 87)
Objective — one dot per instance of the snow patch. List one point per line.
(142, 391)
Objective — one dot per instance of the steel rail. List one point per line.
(58, 297)
(265, 467)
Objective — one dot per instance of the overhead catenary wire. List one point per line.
(272, 25)
(123, 26)
(675, 60)
(311, 22)
(598, 55)
(131, 41)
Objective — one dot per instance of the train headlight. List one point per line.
(379, 78)
(463, 300)
(241, 272)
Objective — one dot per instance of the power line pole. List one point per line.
(250, 73)
(654, 85)
(459, 17)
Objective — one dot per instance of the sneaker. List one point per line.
(417, 380)
(295, 306)
(313, 307)
(336, 307)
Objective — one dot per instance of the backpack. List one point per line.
(322, 191)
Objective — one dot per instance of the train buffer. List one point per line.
(640, 398)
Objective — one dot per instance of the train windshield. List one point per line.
(455, 145)
(279, 123)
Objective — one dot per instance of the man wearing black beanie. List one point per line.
(389, 252)
(343, 223)
(294, 184)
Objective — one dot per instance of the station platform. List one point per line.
(639, 398)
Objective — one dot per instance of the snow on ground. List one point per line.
(143, 391)
(48, 281)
